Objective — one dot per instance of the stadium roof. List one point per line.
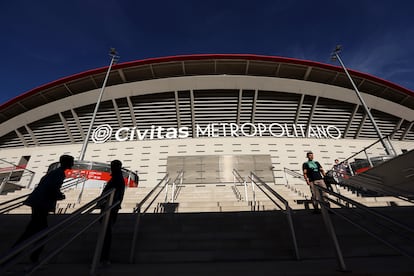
(208, 64)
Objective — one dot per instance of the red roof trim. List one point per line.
(202, 57)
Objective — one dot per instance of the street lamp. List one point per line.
(388, 148)
(114, 58)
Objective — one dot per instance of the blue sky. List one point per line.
(46, 40)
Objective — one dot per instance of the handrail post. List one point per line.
(172, 191)
(102, 186)
(81, 191)
(135, 236)
(331, 230)
(18, 252)
(182, 177)
(174, 187)
(31, 179)
(287, 209)
(235, 186)
(292, 230)
(138, 210)
(83, 184)
(129, 179)
(254, 193)
(369, 160)
(102, 233)
(5, 180)
(3, 184)
(287, 181)
(245, 189)
(166, 193)
(394, 153)
(350, 169)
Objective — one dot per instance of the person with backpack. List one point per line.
(43, 201)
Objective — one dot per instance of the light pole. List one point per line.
(114, 58)
(388, 148)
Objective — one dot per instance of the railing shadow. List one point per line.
(383, 228)
(17, 253)
(138, 210)
(17, 202)
(266, 189)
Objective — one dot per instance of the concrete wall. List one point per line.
(149, 158)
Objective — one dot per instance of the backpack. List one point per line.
(329, 177)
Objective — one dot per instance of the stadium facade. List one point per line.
(205, 115)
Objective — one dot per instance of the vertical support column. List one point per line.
(192, 113)
(384, 142)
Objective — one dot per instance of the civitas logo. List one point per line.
(104, 132)
(101, 134)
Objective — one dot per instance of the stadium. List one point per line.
(206, 114)
(212, 148)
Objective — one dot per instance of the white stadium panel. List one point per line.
(209, 94)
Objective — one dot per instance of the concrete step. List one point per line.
(381, 266)
(215, 237)
(208, 194)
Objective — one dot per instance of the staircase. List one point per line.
(208, 230)
(395, 176)
(224, 243)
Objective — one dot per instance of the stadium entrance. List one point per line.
(96, 174)
(214, 169)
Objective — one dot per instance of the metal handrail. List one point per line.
(381, 189)
(241, 180)
(137, 210)
(374, 182)
(13, 169)
(41, 238)
(365, 208)
(390, 192)
(287, 208)
(376, 217)
(18, 201)
(236, 176)
(16, 166)
(293, 173)
(364, 150)
(330, 228)
(70, 182)
(174, 185)
(371, 145)
(301, 177)
(12, 203)
(296, 175)
(83, 180)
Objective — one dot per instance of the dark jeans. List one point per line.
(37, 223)
(106, 248)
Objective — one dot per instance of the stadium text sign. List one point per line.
(103, 133)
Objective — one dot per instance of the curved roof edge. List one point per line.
(203, 57)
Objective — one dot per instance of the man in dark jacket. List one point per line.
(118, 183)
(314, 174)
(43, 200)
